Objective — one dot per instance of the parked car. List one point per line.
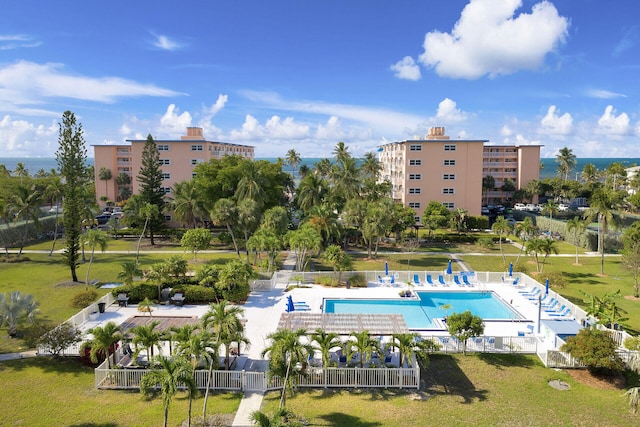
(520, 207)
(531, 207)
(563, 207)
(103, 219)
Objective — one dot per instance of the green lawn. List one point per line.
(481, 389)
(46, 392)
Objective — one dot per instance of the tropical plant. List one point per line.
(104, 174)
(464, 326)
(196, 240)
(103, 341)
(171, 374)
(338, 260)
(24, 203)
(129, 271)
(363, 344)
(224, 321)
(187, 203)
(595, 348)
(525, 230)
(54, 191)
(488, 183)
(326, 341)
(603, 206)
(149, 212)
(305, 241)
(631, 254)
(541, 246)
(147, 337)
(225, 213)
(58, 339)
(15, 309)
(293, 159)
(576, 226)
(501, 227)
(93, 238)
(566, 162)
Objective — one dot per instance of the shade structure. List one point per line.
(546, 286)
(290, 305)
(510, 269)
(386, 268)
(449, 270)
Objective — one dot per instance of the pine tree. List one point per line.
(71, 157)
(150, 178)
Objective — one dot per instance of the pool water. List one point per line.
(418, 313)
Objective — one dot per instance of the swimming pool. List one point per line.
(419, 313)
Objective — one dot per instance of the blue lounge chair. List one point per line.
(430, 280)
(552, 303)
(515, 282)
(465, 279)
(456, 280)
(563, 313)
(534, 295)
(441, 280)
(551, 310)
(416, 280)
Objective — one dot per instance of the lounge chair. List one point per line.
(563, 313)
(516, 281)
(551, 311)
(457, 281)
(178, 299)
(416, 280)
(441, 280)
(122, 299)
(550, 304)
(430, 280)
(465, 279)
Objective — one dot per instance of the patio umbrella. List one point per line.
(449, 270)
(510, 269)
(546, 286)
(290, 306)
(386, 268)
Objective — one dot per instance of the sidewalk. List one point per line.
(15, 356)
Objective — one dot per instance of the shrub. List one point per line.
(327, 281)
(238, 293)
(225, 238)
(556, 279)
(477, 222)
(486, 242)
(59, 338)
(594, 348)
(357, 281)
(632, 343)
(138, 292)
(84, 298)
(197, 293)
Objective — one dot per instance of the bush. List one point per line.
(137, 292)
(327, 281)
(199, 294)
(477, 222)
(84, 298)
(556, 279)
(486, 242)
(225, 238)
(632, 343)
(238, 293)
(59, 338)
(357, 281)
(595, 348)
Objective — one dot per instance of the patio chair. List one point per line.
(122, 299)
(565, 312)
(456, 280)
(550, 304)
(430, 280)
(551, 310)
(465, 279)
(441, 280)
(416, 280)
(516, 281)
(178, 299)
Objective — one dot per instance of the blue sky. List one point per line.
(305, 75)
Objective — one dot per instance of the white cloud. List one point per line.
(488, 39)
(215, 108)
(174, 124)
(554, 124)
(165, 43)
(611, 124)
(20, 138)
(29, 83)
(506, 131)
(406, 69)
(449, 113)
(17, 41)
(604, 94)
(332, 130)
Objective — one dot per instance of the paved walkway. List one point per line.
(15, 356)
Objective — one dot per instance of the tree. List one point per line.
(325, 220)
(104, 174)
(24, 204)
(94, 238)
(603, 205)
(195, 240)
(595, 348)
(541, 246)
(172, 374)
(407, 345)
(305, 241)
(71, 157)
(147, 337)
(149, 212)
(224, 321)
(566, 162)
(187, 204)
(363, 344)
(225, 213)
(103, 341)
(21, 171)
(576, 226)
(590, 173)
(501, 227)
(265, 239)
(129, 271)
(525, 230)
(464, 326)
(60, 338)
(338, 260)
(488, 183)
(248, 212)
(435, 215)
(293, 159)
(150, 179)
(550, 208)
(326, 341)
(251, 186)
(123, 181)
(371, 166)
(15, 309)
(631, 254)
(312, 191)
(54, 192)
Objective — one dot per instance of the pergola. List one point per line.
(164, 324)
(345, 324)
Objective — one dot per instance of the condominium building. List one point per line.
(451, 171)
(178, 158)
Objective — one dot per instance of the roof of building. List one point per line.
(345, 324)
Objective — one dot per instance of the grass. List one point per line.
(45, 391)
(473, 390)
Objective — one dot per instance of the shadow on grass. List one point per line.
(443, 376)
(581, 278)
(94, 425)
(501, 361)
(340, 419)
(50, 364)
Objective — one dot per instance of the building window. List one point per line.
(193, 174)
(165, 162)
(449, 176)
(166, 175)
(414, 205)
(195, 161)
(415, 191)
(197, 147)
(418, 219)
(167, 217)
(449, 162)
(449, 205)
(415, 162)
(163, 147)
(448, 191)
(415, 176)
(165, 190)
(449, 147)
(415, 147)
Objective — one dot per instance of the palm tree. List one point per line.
(406, 345)
(129, 272)
(104, 174)
(488, 183)
(293, 159)
(186, 204)
(326, 341)
(500, 227)
(251, 185)
(603, 205)
(345, 179)
(21, 171)
(566, 162)
(54, 192)
(525, 230)
(225, 213)
(590, 173)
(15, 309)
(104, 338)
(148, 212)
(173, 373)
(325, 221)
(550, 208)
(24, 203)
(147, 337)
(363, 344)
(94, 238)
(288, 357)
(225, 322)
(311, 192)
(322, 168)
(541, 247)
(371, 166)
(248, 219)
(576, 226)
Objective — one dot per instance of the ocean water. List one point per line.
(549, 165)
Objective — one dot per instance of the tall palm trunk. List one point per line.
(55, 234)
